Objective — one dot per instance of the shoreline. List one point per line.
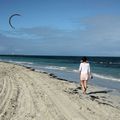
(98, 85)
(39, 71)
(113, 85)
(116, 91)
(31, 95)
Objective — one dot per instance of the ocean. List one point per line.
(105, 70)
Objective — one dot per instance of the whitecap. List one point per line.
(106, 77)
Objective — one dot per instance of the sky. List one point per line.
(60, 27)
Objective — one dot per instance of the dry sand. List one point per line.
(29, 95)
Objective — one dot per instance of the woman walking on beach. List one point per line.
(84, 70)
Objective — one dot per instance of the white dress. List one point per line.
(84, 71)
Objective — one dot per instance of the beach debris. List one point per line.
(104, 103)
(30, 68)
(73, 91)
(92, 97)
(52, 75)
(44, 72)
(10, 18)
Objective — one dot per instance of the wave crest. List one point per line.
(55, 67)
(106, 77)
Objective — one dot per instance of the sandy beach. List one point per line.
(26, 94)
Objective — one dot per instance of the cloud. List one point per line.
(100, 37)
(2, 48)
(102, 34)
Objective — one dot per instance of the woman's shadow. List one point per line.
(103, 91)
(93, 97)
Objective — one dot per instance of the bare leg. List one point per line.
(83, 87)
(80, 83)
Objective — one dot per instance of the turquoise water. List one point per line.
(106, 70)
